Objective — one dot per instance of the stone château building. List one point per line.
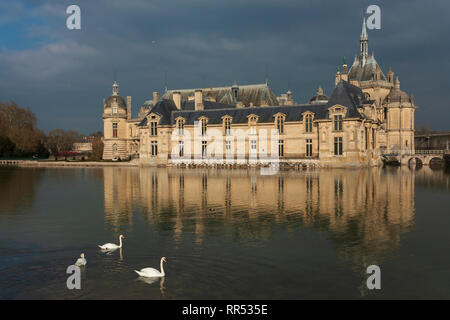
(366, 115)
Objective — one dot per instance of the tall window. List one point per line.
(281, 148)
(114, 125)
(227, 124)
(153, 128)
(228, 146)
(280, 124)
(180, 125)
(308, 123)
(373, 139)
(253, 146)
(338, 123)
(338, 146)
(181, 148)
(204, 144)
(366, 138)
(309, 147)
(203, 122)
(154, 148)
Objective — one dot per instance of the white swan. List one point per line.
(151, 272)
(112, 246)
(81, 261)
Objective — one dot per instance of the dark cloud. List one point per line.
(63, 75)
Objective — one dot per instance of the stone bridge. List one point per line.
(423, 157)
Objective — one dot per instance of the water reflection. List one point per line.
(364, 212)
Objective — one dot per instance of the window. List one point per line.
(228, 146)
(181, 148)
(280, 124)
(308, 123)
(309, 147)
(227, 124)
(154, 148)
(203, 121)
(366, 138)
(252, 145)
(280, 148)
(115, 148)
(373, 139)
(180, 126)
(114, 125)
(114, 110)
(204, 144)
(338, 146)
(338, 123)
(153, 128)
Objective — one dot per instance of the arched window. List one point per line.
(114, 148)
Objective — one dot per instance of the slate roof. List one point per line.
(344, 94)
(257, 94)
(366, 71)
(121, 102)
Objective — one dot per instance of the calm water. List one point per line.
(226, 234)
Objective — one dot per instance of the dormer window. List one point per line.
(114, 110)
(279, 122)
(337, 122)
(308, 121)
(227, 125)
(203, 124)
(180, 126)
(153, 128)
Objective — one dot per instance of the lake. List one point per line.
(226, 234)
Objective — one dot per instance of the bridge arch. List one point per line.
(436, 161)
(415, 162)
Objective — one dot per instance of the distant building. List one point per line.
(366, 115)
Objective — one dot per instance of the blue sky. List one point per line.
(63, 75)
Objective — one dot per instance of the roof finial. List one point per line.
(115, 90)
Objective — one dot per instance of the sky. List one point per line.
(63, 75)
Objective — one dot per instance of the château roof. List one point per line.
(258, 94)
(344, 94)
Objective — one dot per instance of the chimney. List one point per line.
(198, 99)
(176, 96)
(155, 97)
(128, 107)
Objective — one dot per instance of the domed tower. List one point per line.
(116, 113)
(399, 111)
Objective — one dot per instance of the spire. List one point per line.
(364, 42)
(364, 30)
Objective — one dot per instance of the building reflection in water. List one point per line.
(364, 212)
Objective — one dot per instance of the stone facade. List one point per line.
(366, 115)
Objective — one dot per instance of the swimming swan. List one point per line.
(151, 272)
(112, 246)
